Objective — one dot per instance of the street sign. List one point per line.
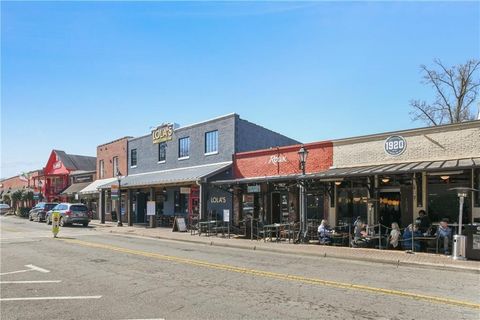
(114, 192)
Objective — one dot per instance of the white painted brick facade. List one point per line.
(426, 144)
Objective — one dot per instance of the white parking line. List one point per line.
(30, 267)
(51, 298)
(32, 281)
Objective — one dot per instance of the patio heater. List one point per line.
(459, 240)
(302, 157)
(119, 203)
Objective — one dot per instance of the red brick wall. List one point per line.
(265, 162)
(107, 151)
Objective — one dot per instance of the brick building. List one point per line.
(172, 165)
(29, 181)
(111, 156)
(385, 178)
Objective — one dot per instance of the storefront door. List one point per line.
(275, 211)
(141, 207)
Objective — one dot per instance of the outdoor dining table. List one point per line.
(426, 239)
(269, 228)
(338, 238)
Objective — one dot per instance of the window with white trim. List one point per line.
(184, 147)
(211, 142)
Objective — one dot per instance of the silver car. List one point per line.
(4, 208)
(70, 213)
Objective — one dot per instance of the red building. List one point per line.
(58, 169)
(266, 183)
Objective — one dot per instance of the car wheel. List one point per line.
(30, 217)
(85, 224)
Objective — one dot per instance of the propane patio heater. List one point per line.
(459, 240)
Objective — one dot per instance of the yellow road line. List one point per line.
(279, 276)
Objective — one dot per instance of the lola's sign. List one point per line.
(162, 133)
(218, 200)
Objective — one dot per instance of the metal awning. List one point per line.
(75, 188)
(93, 187)
(258, 179)
(172, 176)
(383, 169)
(398, 168)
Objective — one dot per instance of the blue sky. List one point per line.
(76, 75)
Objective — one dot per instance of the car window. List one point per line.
(57, 207)
(78, 208)
(50, 206)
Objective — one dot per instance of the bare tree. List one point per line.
(456, 89)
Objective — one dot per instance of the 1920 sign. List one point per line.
(395, 145)
(162, 133)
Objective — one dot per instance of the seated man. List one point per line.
(324, 233)
(444, 235)
(423, 221)
(360, 235)
(407, 238)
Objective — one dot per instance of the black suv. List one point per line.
(39, 212)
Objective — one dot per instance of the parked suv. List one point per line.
(39, 212)
(70, 213)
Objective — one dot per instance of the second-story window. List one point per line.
(101, 169)
(115, 166)
(133, 157)
(162, 151)
(211, 142)
(184, 147)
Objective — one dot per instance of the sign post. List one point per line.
(226, 218)
(114, 192)
(151, 212)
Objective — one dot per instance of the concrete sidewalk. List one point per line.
(369, 255)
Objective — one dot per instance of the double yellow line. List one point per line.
(279, 276)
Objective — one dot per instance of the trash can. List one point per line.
(472, 231)
(459, 242)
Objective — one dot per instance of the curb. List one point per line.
(398, 263)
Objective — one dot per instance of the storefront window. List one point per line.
(351, 204)
(443, 202)
(181, 202)
(315, 206)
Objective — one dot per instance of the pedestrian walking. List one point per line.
(55, 223)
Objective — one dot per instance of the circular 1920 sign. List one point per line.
(395, 145)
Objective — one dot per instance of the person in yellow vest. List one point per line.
(56, 223)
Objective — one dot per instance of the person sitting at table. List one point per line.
(412, 230)
(423, 221)
(394, 236)
(444, 235)
(360, 235)
(324, 233)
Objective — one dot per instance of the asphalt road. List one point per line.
(88, 274)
